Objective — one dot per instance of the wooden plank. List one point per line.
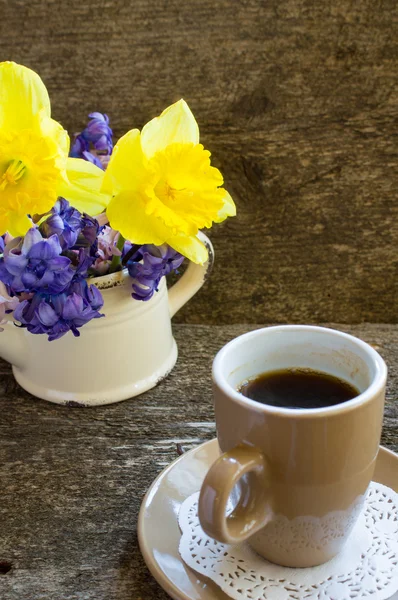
(72, 480)
(297, 101)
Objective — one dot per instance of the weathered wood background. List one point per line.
(297, 100)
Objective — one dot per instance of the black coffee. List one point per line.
(298, 388)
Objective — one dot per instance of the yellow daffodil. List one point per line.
(34, 164)
(163, 186)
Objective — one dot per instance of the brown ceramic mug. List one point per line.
(298, 476)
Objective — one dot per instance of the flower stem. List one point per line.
(130, 253)
(116, 260)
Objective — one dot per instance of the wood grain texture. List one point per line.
(297, 100)
(72, 480)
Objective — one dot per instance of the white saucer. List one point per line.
(158, 530)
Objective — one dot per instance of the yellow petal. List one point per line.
(191, 247)
(176, 124)
(83, 186)
(126, 166)
(56, 132)
(17, 224)
(22, 96)
(228, 209)
(126, 213)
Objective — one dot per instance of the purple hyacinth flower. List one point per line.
(65, 222)
(55, 315)
(99, 133)
(84, 263)
(106, 250)
(89, 231)
(35, 264)
(93, 158)
(79, 151)
(95, 142)
(79, 146)
(73, 229)
(147, 267)
(90, 293)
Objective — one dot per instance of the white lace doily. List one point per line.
(366, 568)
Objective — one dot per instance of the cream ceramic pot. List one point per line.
(117, 356)
(299, 477)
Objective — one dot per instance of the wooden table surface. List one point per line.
(72, 480)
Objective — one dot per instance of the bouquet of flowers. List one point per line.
(67, 216)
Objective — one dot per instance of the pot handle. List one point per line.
(192, 280)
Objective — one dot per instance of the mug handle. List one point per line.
(249, 516)
(192, 280)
